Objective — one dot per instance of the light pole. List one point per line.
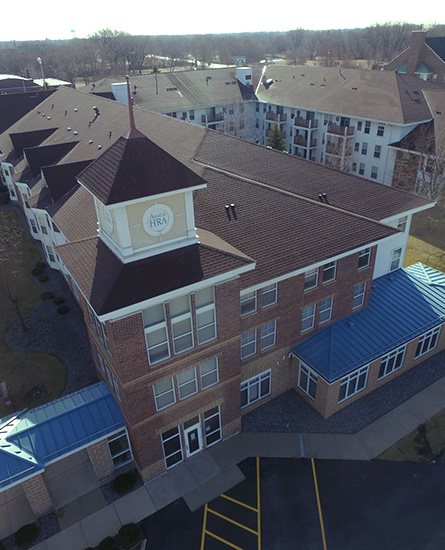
(40, 62)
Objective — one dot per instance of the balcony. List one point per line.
(339, 149)
(209, 119)
(270, 115)
(303, 123)
(303, 142)
(340, 130)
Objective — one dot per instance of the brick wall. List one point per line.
(101, 459)
(38, 495)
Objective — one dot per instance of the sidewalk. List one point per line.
(212, 472)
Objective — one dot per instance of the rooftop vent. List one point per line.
(75, 110)
(172, 89)
(96, 111)
(227, 207)
(69, 129)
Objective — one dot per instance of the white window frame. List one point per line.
(122, 452)
(164, 393)
(310, 278)
(206, 332)
(307, 381)
(179, 452)
(402, 223)
(188, 387)
(207, 428)
(248, 302)
(271, 292)
(429, 338)
(325, 310)
(354, 383)
(396, 258)
(255, 383)
(268, 335)
(248, 342)
(359, 296)
(307, 313)
(391, 362)
(156, 328)
(329, 267)
(374, 172)
(186, 317)
(212, 374)
(365, 253)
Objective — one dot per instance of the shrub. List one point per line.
(41, 264)
(48, 295)
(59, 300)
(108, 543)
(129, 534)
(26, 535)
(61, 310)
(37, 270)
(2, 546)
(124, 483)
(4, 198)
(43, 278)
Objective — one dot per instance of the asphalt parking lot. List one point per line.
(361, 505)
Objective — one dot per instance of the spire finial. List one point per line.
(130, 104)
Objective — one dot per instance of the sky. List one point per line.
(53, 19)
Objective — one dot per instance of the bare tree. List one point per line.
(295, 41)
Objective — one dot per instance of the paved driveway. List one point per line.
(362, 505)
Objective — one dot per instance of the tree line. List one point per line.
(111, 52)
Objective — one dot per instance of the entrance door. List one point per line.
(192, 436)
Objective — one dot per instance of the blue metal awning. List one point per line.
(34, 438)
(403, 305)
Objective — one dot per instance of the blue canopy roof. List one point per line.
(32, 439)
(403, 304)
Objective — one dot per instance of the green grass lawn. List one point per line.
(31, 378)
(426, 242)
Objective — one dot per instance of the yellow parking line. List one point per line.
(223, 540)
(232, 521)
(323, 536)
(258, 504)
(239, 502)
(204, 525)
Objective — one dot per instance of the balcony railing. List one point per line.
(340, 130)
(270, 115)
(303, 142)
(303, 123)
(208, 119)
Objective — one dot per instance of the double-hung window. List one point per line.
(187, 384)
(248, 302)
(380, 130)
(367, 126)
(325, 312)
(181, 321)
(427, 342)
(374, 172)
(364, 148)
(364, 258)
(171, 445)
(164, 392)
(248, 344)
(209, 373)
(377, 151)
(307, 381)
(401, 223)
(396, 257)
(268, 335)
(156, 334)
(329, 271)
(359, 295)
(307, 317)
(391, 361)
(255, 388)
(269, 295)
(212, 426)
(205, 315)
(119, 447)
(353, 383)
(311, 279)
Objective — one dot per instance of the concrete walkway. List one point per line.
(212, 472)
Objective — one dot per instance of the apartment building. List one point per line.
(206, 266)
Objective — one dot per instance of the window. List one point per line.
(119, 447)
(98, 327)
(157, 345)
(377, 151)
(380, 130)
(164, 393)
(209, 373)
(171, 445)
(248, 344)
(50, 253)
(364, 148)
(359, 125)
(269, 295)
(192, 114)
(367, 126)
(307, 317)
(364, 258)
(212, 426)
(33, 225)
(255, 388)
(356, 147)
(248, 302)
(353, 383)
(427, 342)
(329, 272)
(396, 256)
(374, 172)
(268, 334)
(361, 169)
(310, 279)
(181, 322)
(205, 315)
(307, 381)
(401, 223)
(359, 295)
(325, 313)
(187, 384)
(391, 362)
(354, 167)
